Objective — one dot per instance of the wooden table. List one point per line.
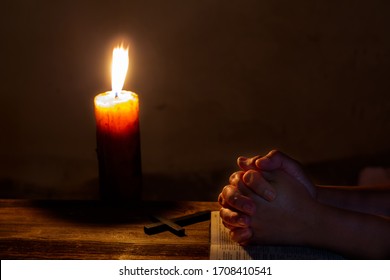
(32, 229)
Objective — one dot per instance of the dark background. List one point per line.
(216, 79)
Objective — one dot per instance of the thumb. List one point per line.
(278, 160)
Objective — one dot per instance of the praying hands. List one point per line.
(271, 201)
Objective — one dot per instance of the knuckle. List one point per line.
(226, 191)
(230, 195)
(221, 201)
(222, 213)
(227, 216)
(274, 152)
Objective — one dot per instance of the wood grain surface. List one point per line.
(33, 229)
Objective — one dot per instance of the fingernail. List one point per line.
(269, 195)
(248, 177)
(241, 161)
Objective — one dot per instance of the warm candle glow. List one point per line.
(118, 135)
(120, 63)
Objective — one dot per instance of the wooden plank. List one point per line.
(96, 230)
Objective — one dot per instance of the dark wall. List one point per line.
(216, 79)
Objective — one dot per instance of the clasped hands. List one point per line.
(269, 201)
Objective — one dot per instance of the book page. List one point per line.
(222, 248)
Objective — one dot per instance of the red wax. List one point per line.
(118, 145)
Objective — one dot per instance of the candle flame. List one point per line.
(120, 63)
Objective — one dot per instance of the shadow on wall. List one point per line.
(156, 187)
(59, 178)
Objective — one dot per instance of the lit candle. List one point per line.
(118, 137)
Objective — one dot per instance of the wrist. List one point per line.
(328, 195)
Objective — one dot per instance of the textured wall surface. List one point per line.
(216, 79)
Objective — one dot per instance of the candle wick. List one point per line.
(116, 94)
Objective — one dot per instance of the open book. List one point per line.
(222, 248)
